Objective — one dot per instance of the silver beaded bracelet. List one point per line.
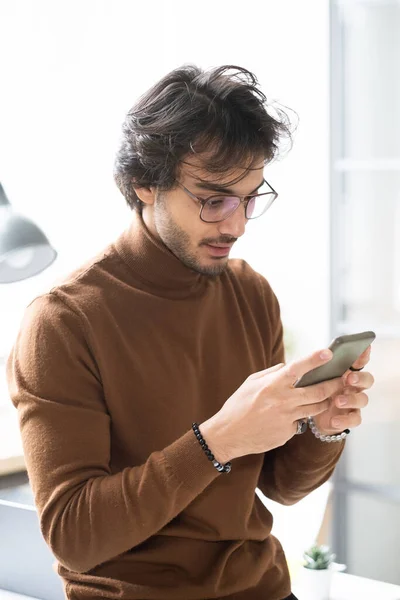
(326, 438)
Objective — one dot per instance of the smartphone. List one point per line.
(346, 349)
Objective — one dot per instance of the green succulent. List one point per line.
(318, 557)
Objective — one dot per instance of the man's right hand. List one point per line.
(262, 413)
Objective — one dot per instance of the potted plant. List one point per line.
(316, 574)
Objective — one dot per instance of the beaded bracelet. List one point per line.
(221, 468)
(326, 438)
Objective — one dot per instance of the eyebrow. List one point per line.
(214, 187)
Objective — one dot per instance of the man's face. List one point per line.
(173, 216)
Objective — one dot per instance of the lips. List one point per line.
(218, 250)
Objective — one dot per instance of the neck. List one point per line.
(160, 272)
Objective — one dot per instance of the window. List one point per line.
(365, 212)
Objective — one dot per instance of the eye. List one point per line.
(215, 202)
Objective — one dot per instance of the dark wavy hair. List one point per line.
(190, 111)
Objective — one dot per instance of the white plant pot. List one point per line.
(316, 584)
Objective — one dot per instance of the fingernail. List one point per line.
(325, 354)
(342, 401)
(336, 423)
(353, 378)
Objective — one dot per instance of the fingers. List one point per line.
(310, 410)
(348, 421)
(296, 369)
(354, 401)
(363, 359)
(317, 392)
(363, 380)
(259, 374)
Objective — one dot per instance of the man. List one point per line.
(162, 331)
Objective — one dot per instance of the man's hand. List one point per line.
(262, 413)
(344, 410)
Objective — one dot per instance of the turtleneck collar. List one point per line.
(158, 270)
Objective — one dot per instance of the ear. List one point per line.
(146, 195)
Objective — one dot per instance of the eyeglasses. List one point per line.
(219, 207)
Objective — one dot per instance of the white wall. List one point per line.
(71, 69)
(69, 72)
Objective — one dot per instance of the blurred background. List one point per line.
(69, 71)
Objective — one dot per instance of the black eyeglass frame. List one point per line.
(243, 200)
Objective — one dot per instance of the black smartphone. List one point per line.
(346, 349)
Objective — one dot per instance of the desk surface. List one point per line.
(350, 587)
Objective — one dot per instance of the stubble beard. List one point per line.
(178, 242)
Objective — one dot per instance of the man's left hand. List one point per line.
(345, 407)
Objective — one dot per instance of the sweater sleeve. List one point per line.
(87, 514)
(292, 471)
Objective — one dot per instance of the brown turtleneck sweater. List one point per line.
(108, 372)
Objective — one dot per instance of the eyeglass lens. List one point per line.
(219, 208)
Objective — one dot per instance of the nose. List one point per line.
(235, 224)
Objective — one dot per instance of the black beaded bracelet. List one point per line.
(221, 468)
